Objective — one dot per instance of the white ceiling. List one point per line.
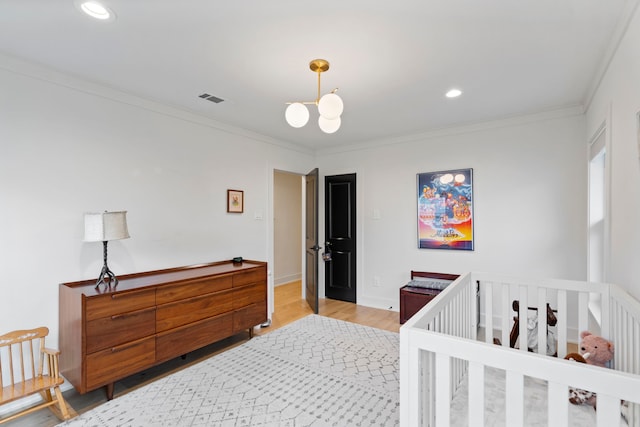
(392, 60)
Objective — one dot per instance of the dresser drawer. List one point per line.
(118, 303)
(120, 328)
(172, 315)
(250, 316)
(247, 295)
(184, 339)
(247, 277)
(170, 293)
(112, 364)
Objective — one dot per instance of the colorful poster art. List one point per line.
(445, 210)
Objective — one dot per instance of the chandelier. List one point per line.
(330, 105)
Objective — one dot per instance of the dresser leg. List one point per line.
(250, 333)
(110, 391)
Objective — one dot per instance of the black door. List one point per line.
(340, 236)
(311, 239)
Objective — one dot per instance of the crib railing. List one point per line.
(439, 347)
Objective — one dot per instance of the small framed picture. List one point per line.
(235, 201)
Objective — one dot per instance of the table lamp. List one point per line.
(102, 227)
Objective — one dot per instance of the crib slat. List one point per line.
(522, 314)
(506, 315)
(414, 387)
(542, 321)
(608, 409)
(476, 394)
(562, 323)
(558, 405)
(583, 311)
(628, 329)
(428, 360)
(488, 310)
(515, 397)
(443, 390)
(616, 317)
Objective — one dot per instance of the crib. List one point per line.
(449, 348)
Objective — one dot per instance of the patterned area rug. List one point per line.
(316, 371)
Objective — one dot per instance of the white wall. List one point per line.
(529, 201)
(287, 223)
(617, 103)
(69, 147)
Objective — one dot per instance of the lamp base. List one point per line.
(106, 275)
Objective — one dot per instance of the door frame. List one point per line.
(269, 217)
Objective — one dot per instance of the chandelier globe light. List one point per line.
(329, 125)
(330, 105)
(297, 115)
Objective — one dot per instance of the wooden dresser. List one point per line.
(109, 333)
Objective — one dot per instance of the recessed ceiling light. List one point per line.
(453, 93)
(96, 10)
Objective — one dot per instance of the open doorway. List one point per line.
(287, 227)
(295, 256)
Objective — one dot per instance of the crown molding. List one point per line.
(516, 120)
(43, 73)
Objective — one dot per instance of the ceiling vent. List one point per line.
(211, 98)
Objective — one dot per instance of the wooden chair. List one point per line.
(27, 367)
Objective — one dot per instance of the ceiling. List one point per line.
(392, 61)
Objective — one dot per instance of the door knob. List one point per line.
(316, 247)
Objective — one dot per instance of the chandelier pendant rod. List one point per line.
(318, 98)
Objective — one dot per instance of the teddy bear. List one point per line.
(595, 349)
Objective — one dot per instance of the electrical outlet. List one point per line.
(376, 282)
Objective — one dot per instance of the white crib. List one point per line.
(440, 348)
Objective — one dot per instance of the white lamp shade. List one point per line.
(330, 106)
(297, 115)
(329, 126)
(105, 226)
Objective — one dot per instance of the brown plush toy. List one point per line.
(576, 357)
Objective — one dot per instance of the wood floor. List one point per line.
(289, 307)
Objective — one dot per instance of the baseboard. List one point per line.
(277, 281)
(382, 303)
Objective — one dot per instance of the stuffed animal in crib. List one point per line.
(595, 349)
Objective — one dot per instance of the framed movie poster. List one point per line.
(445, 210)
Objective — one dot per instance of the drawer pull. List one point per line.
(127, 294)
(122, 347)
(131, 314)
